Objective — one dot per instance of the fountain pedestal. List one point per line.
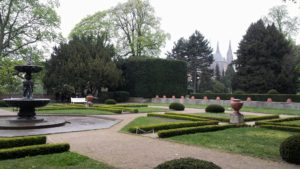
(236, 117)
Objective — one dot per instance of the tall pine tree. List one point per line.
(261, 61)
(198, 55)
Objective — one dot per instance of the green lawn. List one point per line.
(66, 160)
(257, 142)
(151, 109)
(244, 109)
(148, 121)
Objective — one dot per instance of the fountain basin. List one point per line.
(20, 102)
(28, 68)
(27, 107)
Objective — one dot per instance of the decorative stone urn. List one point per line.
(89, 99)
(236, 117)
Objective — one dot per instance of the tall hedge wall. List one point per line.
(150, 77)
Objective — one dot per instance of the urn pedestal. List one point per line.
(236, 117)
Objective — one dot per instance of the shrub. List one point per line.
(102, 96)
(215, 108)
(272, 91)
(110, 101)
(290, 149)
(121, 96)
(176, 106)
(165, 126)
(3, 104)
(21, 141)
(187, 163)
(192, 130)
(19, 152)
(238, 92)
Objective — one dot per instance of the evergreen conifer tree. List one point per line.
(260, 61)
(198, 55)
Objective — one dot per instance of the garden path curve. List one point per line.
(129, 151)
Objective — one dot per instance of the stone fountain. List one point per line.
(26, 116)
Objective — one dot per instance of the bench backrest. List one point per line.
(78, 100)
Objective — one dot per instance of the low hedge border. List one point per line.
(177, 117)
(18, 152)
(166, 126)
(258, 118)
(283, 128)
(131, 105)
(222, 119)
(192, 130)
(276, 121)
(21, 141)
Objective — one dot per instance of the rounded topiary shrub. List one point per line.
(110, 101)
(239, 92)
(215, 108)
(176, 106)
(187, 163)
(290, 149)
(273, 91)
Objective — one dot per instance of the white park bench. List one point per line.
(77, 100)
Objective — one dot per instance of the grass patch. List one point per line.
(257, 142)
(143, 121)
(65, 160)
(151, 109)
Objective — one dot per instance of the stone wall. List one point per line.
(282, 105)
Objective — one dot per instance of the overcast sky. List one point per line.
(218, 20)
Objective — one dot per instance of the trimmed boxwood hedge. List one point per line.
(254, 97)
(258, 118)
(187, 163)
(290, 149)
(176, 106)
(214, 108)
(165, 126)
(3, 103)
(151, 76)
(277, 121)
(21, 141)
(192, 130)
(280, 127)
(110, 101)
(18, 152)
(178, 117)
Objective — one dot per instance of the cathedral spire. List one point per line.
(218, 50)
(229, 54)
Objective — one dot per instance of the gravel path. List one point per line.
(129, 151)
